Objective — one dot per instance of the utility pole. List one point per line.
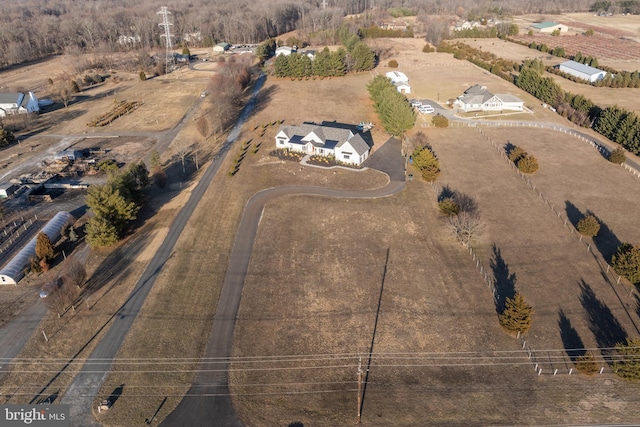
(359, 387)
(164, 12)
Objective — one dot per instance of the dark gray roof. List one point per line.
(330, 136)
(10, 98)
(359, 144)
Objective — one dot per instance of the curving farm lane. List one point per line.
(208, 398)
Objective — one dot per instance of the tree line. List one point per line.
(32, 29)
(392, 107)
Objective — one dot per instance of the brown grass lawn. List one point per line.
(318, 294)
(176, 319)
(319, 265)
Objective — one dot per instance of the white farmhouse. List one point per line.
(285, 50)
(582, 71)
(18, 103)
(324, 140)
(478, 98)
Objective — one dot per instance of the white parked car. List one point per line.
(415, 103)
(426, 109)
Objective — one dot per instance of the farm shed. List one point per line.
(7, 189)
(548, 27)
(18, 103)
(14, 270)
(221, 47)
(403, 87)
(67, 156)
(582, 71)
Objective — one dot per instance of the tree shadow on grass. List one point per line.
(605, 326)
(571, 340)
(505, 281)
(606, 241)
(115, 394)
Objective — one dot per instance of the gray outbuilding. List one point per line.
(582, 71)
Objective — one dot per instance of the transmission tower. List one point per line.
(164, 12)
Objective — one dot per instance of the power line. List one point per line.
(164, 12)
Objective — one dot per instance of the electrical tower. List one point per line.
(170, 63)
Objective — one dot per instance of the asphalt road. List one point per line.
(208, 398)
(87, 383)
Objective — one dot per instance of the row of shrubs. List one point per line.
(120, 109)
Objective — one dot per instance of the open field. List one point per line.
(317, 294)
(335, 276)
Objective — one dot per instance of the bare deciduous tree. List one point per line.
(465, 226)
(74, 272)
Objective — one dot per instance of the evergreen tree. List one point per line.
(44, 248)
(628, 366)
(517, 315)
(109, 205)
(425, 160)
(363, 58)
(100, 232)
(322, 63)
(281, 66)
(6, 137)
(626, 262)
(338, 62)
(607, 123)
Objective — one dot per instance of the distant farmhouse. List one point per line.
(18, 103)
(400, 81)
(286, 50)
(465, 25)
(582, 71)
(548, 27)
(221, 47)
(478, 98)
(325, 139)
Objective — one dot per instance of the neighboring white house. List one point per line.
(582, 71)
(286, 50)
(221, 47)
(399, 80)
(465, 25)
(478, 98)
(324, 140)
(548, 27)
(18, 103)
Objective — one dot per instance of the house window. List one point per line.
(346, 155)
(280, 141)
(320, 151)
